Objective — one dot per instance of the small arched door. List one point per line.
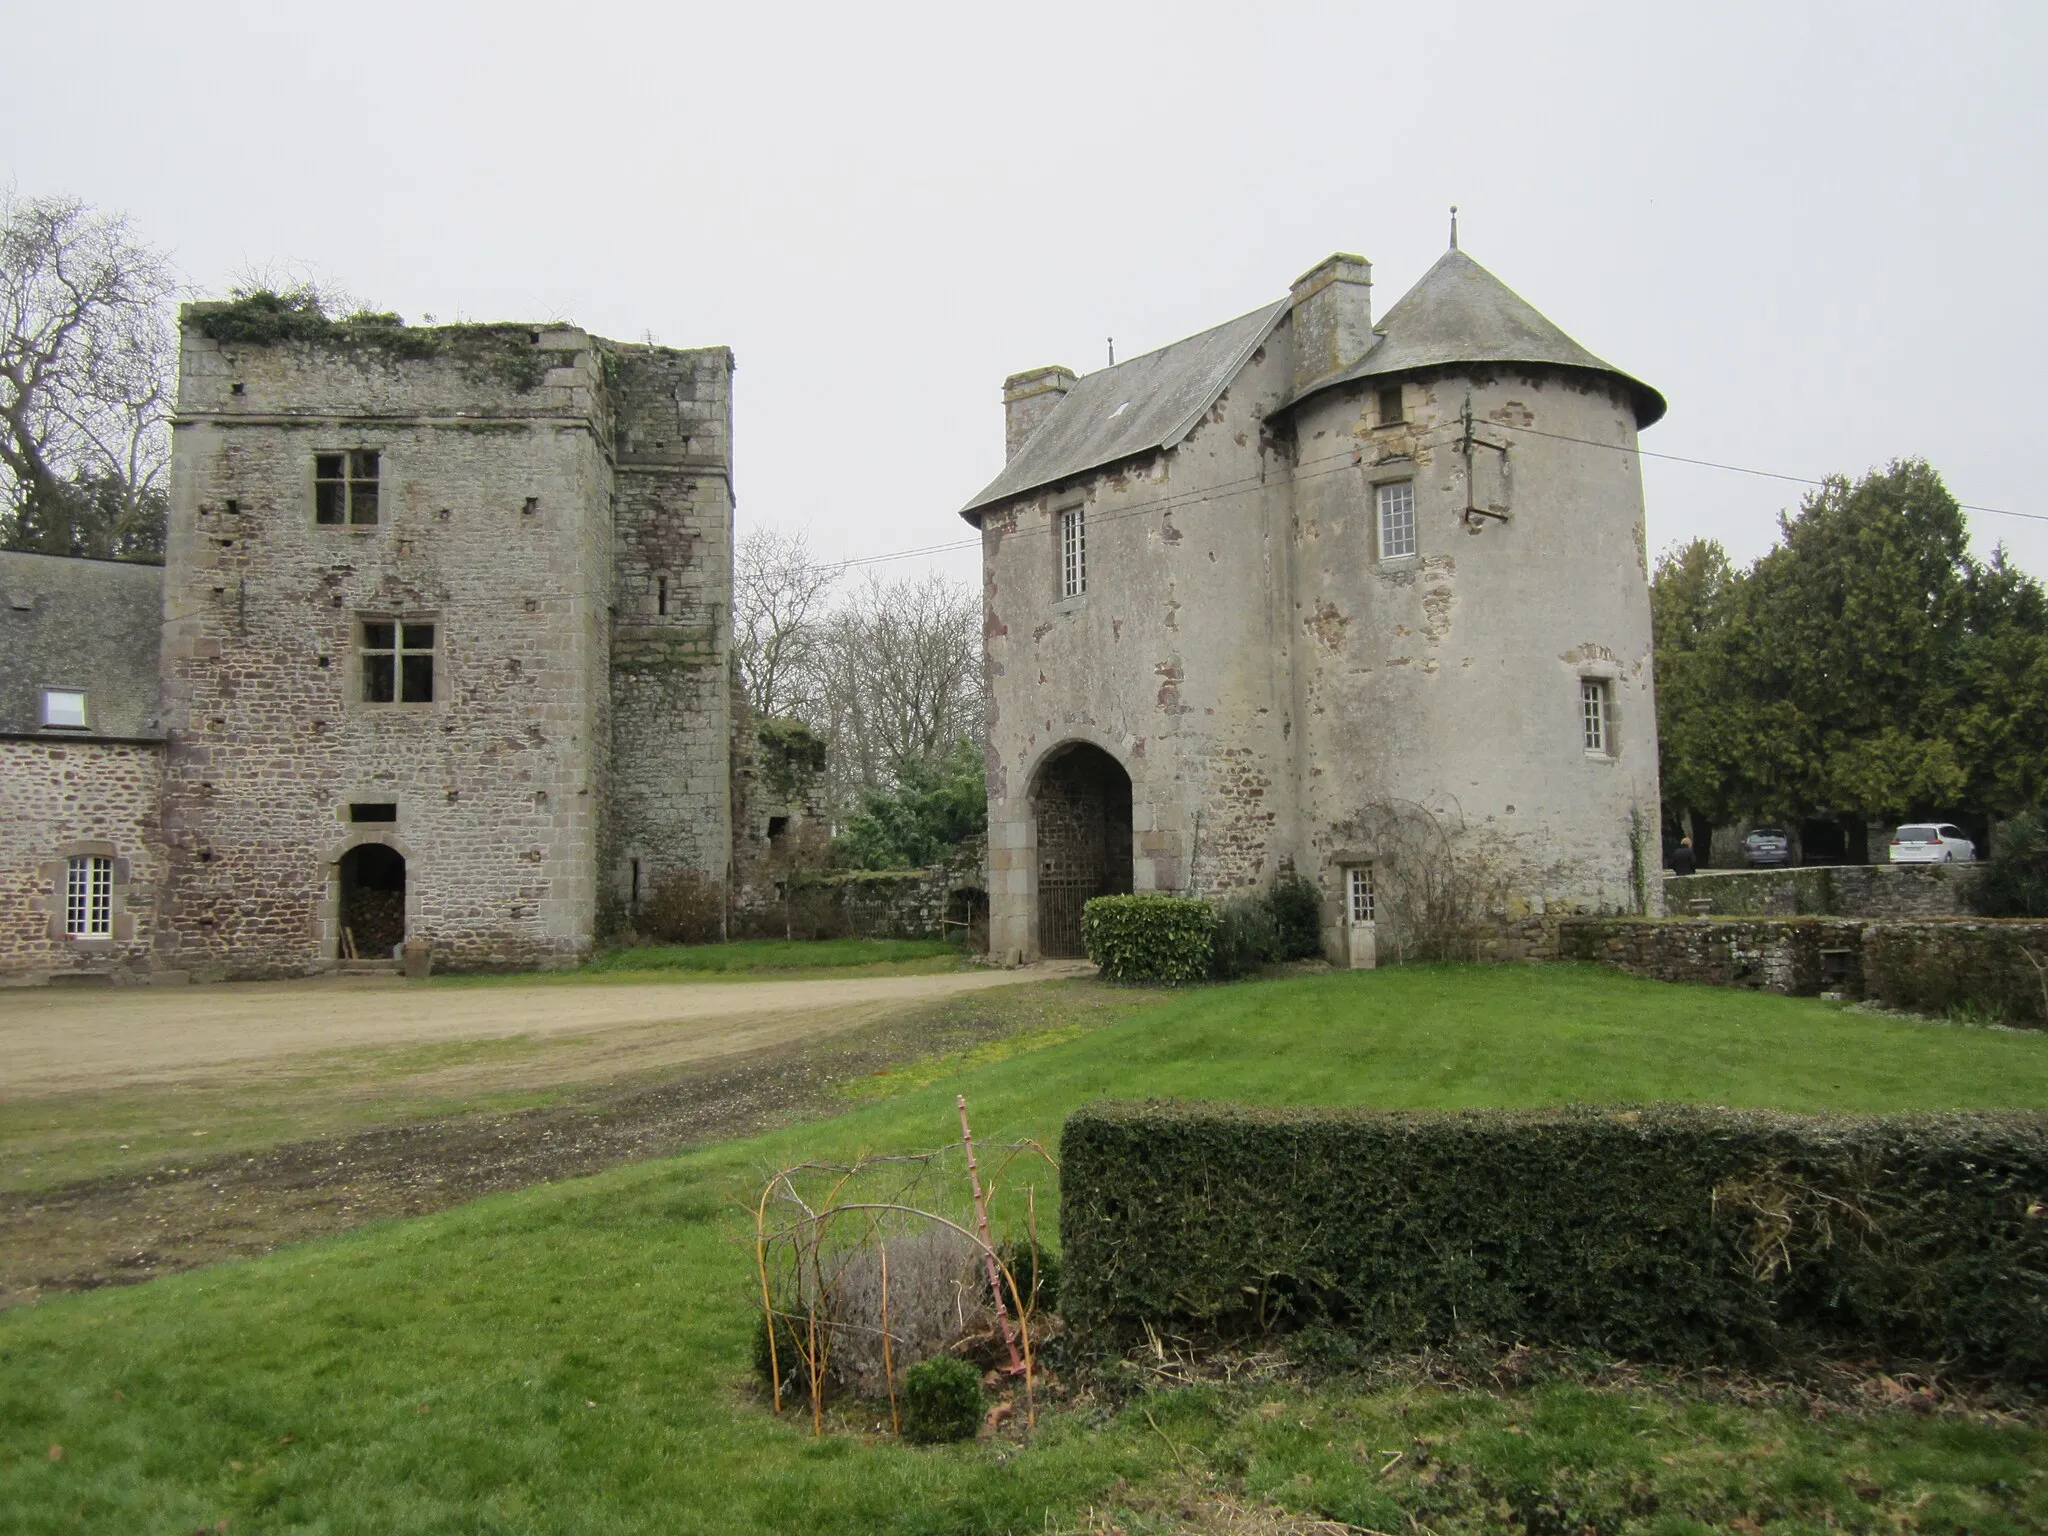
(1082, 809)
(372, 902)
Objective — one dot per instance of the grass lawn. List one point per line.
(781, 957)
(575, 1357)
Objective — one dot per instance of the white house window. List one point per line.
(89, 897)
(1594, 714)
(398, 662)
(1359, 892)
(345, 486)
(1397, 519)
(1073, 553)
(64, 709)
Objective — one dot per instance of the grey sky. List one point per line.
(1817, 229)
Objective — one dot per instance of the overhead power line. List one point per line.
(1230, 490)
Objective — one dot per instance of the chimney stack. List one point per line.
(1332, 308)
(1028, 398)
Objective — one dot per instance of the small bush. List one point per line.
(1297, 911)
(1671, 1233)
(941, 1400)
(1149, 938)
(1246, 937)
(685, 906)
(2015, 880)
(788, 1358)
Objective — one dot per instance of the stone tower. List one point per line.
(1362, 600)
(445, 639)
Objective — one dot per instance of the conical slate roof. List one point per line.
(1461, 313)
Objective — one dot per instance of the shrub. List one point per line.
(1297, 909)
(941, 1400)
(1036, 1270)
(1684, 1234)
(1245, 937)
(685, 906)
(2015, 879)
(1149, 938)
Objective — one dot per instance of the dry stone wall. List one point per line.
(1846, 890)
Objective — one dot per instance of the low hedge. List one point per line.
(1149, 938)
(1670, 1233)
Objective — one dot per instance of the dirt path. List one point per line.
(61, 1040)
(129, 1227)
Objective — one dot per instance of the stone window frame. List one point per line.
(348, 481)
(1598, 681)
(1380, 395)
(1070, 559)
(53, 690)
(1380, 492)
(356, 684)
(55, 881)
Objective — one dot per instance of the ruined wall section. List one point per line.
(1449, 681)
(494, 466)
(65, 798)
(671, 634)
(1171, 661)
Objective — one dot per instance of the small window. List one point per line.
(661, 596)
(1397, 519)
(345, 487)
(63, 709)
(1593, 714)
(777, 827)
(1358, 881)
(374, 810)
(89, 897)
(398, 662)
(1390, 406)
(1073, 552)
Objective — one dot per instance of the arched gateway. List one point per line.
(372, 902)
(1082, 810)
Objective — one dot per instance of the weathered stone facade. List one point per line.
(1308, 582)
(444, 644)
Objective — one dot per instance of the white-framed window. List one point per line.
(1358, 893)
(398, 661)
(1073, 552)
(345, 486)
(1397, 519)
(89, 896)
(64, 709)
(1595, 716)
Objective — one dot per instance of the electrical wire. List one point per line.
(1248, 484)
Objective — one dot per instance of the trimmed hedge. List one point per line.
(1149, 938)
(1673, 1233)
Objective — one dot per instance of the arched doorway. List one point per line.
(372, 902)
(1082, 808)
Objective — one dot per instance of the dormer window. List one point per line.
(1390, 406)
(63, 709)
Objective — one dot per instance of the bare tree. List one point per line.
(778, 600)
(87, 364)
(899, 679)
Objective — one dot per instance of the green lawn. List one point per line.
(574, 1357)
(780, 958)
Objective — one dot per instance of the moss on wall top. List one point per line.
(498, 354)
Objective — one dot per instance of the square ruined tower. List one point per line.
(446, 638)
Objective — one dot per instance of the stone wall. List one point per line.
(60, 798)
(1985, 968)
(940, 901)
(1843, 890)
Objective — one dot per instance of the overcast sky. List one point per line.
(1818, 229)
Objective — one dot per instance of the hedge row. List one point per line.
(1149, 938)
(1669, 1233)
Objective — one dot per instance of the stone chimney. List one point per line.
(1332, 308)
(1028, 398)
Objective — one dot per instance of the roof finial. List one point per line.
(1454, 226)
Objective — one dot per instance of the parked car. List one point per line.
(1768, 845)
(1932, 842)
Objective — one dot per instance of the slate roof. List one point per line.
(1458, 313)
(93, 625)
(1461, 313)
(1144, 403)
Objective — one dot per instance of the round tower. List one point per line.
(1473, 693)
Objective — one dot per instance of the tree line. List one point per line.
(1866, 669)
